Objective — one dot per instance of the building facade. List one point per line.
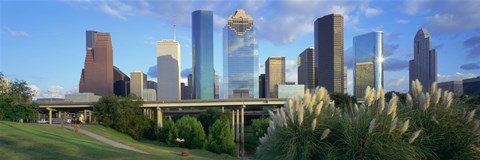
(149, 94)
(185, 91)
(453, 86)
(138, 83)
(424, 64)
(202, 54)
(121, 83)
(274, 75)
(471, 86)
(216, 93)
(97, 75)
(168, 70)
(368, 65)
(306, 68)
(291, 90)
(81, 97)
(329, 50)
(240, 57)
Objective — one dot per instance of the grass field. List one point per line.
(35, 141)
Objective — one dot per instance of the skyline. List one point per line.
(398, 41)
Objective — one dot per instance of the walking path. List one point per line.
(107, 141)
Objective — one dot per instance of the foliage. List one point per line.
(123, 114)
(343, 100)
(191, 130)
(260, 126)
(15, 101)
(220, 138)
(401, 96)
(427, 125)
(209, 117)
(168, 133)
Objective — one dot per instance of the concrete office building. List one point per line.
(152, 85)
(168, 68)
(424, 64)
(306, 68)
(81, 97)
(149, 94)
(368, 66)
(202, 54)
(291, 90)
(216, 93)
(138, 83)
(97, 75)
(329, 52)
(453, 86)
(274, 75)
(185, 91)
(240, 57)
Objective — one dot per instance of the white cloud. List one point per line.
(16, 33)
(412, 7)
(457, 76)
(34, 88)
(371, 12)
(291, 71)
(396, 81)
(402, 21)
(52, 91)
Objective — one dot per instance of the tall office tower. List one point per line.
(138, 83)
(261, 86)
(345, 79)
(240, 57)
(152, 85)
(274, 75)
(185, 91)
(306, 68)
(216, 92)
(424, 64)
(190, 84)
(168, 68)
(121, 83)
(368, 67)
(329, 52)
(202, 54)
(97, 75)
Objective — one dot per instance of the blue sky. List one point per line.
(44, 42)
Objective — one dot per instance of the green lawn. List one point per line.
(36, 141)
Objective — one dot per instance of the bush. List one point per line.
(191, 130)
(123, 114)
(209, 117)
(425, 126)
(220, 138)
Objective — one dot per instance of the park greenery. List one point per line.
(16, 101)
(427, 125)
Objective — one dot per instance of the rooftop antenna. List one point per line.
(174, 25)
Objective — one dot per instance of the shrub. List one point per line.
(220, 138)
(168, 133)
(425, 126)
(191, 130)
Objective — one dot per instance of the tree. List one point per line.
(15, 101)
(123, 114)
(260, 126)
(209, 117)
(191, 130)
(401, 96)
(220, 138)
(168, 133)
(343, 100)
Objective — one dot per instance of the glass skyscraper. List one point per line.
(202, 52)
(240, 57)
(368, 65)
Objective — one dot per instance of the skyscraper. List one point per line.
(261, 86)
(185, 91)
(202, 54)
(152, 85)
(424, 64)
(138, 83)
(274, 75)
(216, 93)
(97, 75)
(121, 82)
(240, 57)
(329, 52)
(168, 68)
(368, 67)
(306, 68)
